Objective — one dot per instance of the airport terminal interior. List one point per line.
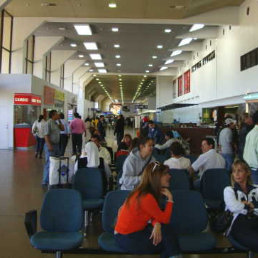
(186, 69)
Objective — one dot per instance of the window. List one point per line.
(62, 76)
(48, 67)
(29, 58)
(6, 41)
(249, 60)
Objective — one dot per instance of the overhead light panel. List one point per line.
(73, 45)
(147, 71)
(86, 64)
(116, 46)
(167, 30)
(176, 52)
(154, 57)
(102, 70)
(150, 65)
(118, 64)
(112, 5)
(185, 41)
(80, 56)
(117, 56)
(159, 46)
(197, 26)
(90, 45)
(115, 29)
(163, 68)
(169, 61)
(91, 70)
(83, 29)
(95, 56)
(99, 64)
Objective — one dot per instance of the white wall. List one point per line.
(163, 90)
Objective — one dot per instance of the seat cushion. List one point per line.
(56, 240)
(236, 244)
(197, 242)
(108, 243)
(92, 204)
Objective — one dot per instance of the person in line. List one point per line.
(242, 200)
(209, 159)
(133, 232)
(119, 129)
(38, 131)
(52, 137)
(135, 163)
(177, 160)
(155, 133)
(101, 128)
(169, 140)
(77, 128)
(64, 135)
(226, 142)
(251, 149)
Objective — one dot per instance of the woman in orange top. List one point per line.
(140, 227)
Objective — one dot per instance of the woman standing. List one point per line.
(38, 132)
(87, 127)
(133, 232)
(242, 200)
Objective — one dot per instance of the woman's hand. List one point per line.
(156, 234)
(167, 193)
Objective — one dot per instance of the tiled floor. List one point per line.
(20, 191)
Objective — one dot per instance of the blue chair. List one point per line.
(61, 221)
(213, 182)
(119, 167)
(113, 202)
(179, 179)
(192, 158)
(189, 219)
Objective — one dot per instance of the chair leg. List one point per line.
(250, 254)
(59, 254)
(86, 222)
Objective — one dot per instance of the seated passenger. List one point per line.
(141, 224)
(135, 163)
(242, 200)
(125, 144)
(169, 140)
(209, 159)
(155, 133)
(177, 160)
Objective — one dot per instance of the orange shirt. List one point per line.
(135, 216)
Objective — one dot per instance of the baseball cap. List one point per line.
(229, 121)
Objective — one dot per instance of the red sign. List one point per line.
(187, 82)
(26, 99)
(180, 86)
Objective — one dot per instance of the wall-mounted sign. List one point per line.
(187, 82)
(49, 95)
(59, 95)
(27, 99)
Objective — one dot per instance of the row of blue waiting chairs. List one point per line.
(61, 221)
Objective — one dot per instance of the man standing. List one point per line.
(77, 128)
(226, 142)
(101, 128)
(251, 149)
(119, 129)
(52, 138)
(64, 135)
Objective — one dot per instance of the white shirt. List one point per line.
(38, 128)
(225, 140)
(104, 153)
(180, 163)
(209, 159)
(166, 145)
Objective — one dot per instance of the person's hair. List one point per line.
(96, 136)
(150, 122)
(169, 134)
(143, 141)
(135, 143)
(76, 115)
(150, 182)
(244, 165)
(177, 149)
(128, 136)
(52, 113)
(40, 118)
(101, 116)
(61, 115)
(87, 119)
(209, 141)
(255, 117)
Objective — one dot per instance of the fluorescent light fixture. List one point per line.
(112, 5)
(83, 29)
(169, 61)
(185, 41)
(90, 45)
(163, 68)
(118, 64)
(80, 56)
(73, 45)
(159, 46)
(95, 56)
(167, 30)
(176, 52)
(150, 65)
(119, 75)
(99, 64)
(154, 57)
(116, 46)
(197, 26)
(115, 29)
(91, 70)
(86, 64)
(117, 56)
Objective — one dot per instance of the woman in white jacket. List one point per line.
(242, 200)
(38, 132)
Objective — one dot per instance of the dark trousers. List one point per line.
(245, 231)
(40, 145)
(77, 143)
(119, 137)
(63, 143)
(140, 242)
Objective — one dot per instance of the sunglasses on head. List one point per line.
(156, 164)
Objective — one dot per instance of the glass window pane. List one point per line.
(5, 61)
(7, 31)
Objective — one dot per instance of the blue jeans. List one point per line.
(254, 175)
(140, 242)
(40, 145)
(229, 158)
(55, 152)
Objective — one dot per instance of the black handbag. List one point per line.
(221, 221)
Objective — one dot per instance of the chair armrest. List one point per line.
(30, 222)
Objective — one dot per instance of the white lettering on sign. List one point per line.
(22, 99)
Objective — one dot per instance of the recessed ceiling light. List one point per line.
(169, 61)
(150, 65)
(185, 41)
(147, 71)
(99, 64)
(97, 78)
(154, 57)
(118, 64)
(95, 56)
(83, 29)
(112, 5)
(90, 45)
(119, 75)
(197, 26)
(145, 76)
(91, 70)
(115, 29)
(167, 30)
(116, 46)
(102, 70)
(159, 46)
(117, 56)
(86, 64)
(163, 68)
(73, 45)
(176, 52)
(80, 56)
(120, 79)
(62, 28)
